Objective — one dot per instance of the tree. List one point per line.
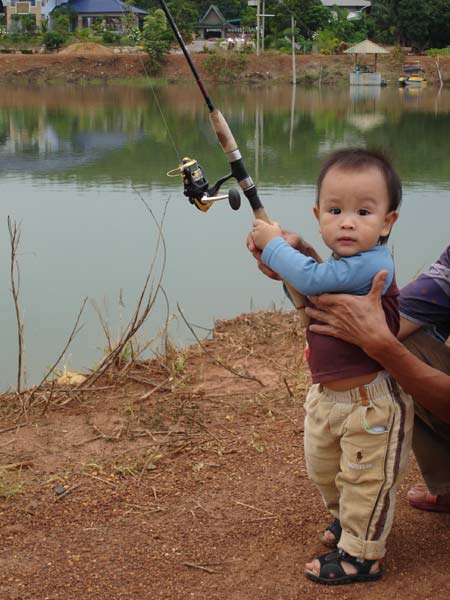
(310, 16)
(414, 21)
(439, 26)
(156, 36)
(346, 30)
(384, 15)
(185, 15)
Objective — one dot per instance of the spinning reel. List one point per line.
(197, 189)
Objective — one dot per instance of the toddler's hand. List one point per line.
(263, 232)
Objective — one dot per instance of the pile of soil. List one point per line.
(87, 49)
(184, 477)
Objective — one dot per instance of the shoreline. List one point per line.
(181, 478)
(90, 67)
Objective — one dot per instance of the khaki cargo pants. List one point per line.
(357, 444)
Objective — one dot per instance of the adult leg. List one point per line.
(431, 438)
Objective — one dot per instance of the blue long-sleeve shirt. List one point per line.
(330, 358)
(352, 274)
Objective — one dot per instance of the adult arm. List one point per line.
(360, 320)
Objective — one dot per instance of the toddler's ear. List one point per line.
(316, 211)
(389, 221)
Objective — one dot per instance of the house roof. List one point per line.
(99, 7)
(347, 3)
(215, 9)
(366, 47)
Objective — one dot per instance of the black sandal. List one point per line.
(336, 530)
(332, 572)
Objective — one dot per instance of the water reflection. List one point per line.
(364, 92)
(122, 135)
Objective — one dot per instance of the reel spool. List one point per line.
(197, 189)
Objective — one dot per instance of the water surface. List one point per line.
(80, 169)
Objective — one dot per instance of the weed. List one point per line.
(126, 470)
(174, 358)
(256, 442)
(10, 486)
(225, 67)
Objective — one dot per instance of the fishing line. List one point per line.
(158, 104)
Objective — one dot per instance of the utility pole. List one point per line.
(263, 24)
(294, 68)
(258, 22)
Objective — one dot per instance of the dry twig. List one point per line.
(73, 333)
(216, 360)
(14, 238)
(68, 491)
(201, 567)
(144, 307)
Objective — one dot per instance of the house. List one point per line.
(214, 25)
(84, 11)
(355, 7)
(22, 7)
(87, 11)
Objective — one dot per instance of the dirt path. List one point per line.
(184, 478)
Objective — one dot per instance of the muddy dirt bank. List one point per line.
(88, 67)
(184, 477)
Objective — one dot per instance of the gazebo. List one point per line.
(365, 74)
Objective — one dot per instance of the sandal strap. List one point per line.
(330, 565)
(335, 528)
(363, 565)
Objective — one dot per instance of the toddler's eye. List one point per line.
(335, 211)
(363, 212)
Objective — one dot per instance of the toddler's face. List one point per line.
(353, 211)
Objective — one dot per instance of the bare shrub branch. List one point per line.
(216, 360)
(72, 335)
(14, 238)
(144, 306)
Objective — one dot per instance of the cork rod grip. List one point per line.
(297, 298)
(228, 144)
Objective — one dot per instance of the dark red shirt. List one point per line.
(331, 359)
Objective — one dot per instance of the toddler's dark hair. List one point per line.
(354, 159)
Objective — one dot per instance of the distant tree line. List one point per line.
(421, 24)
(418, 23)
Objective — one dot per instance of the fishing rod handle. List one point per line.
(223, 131)
(297, 298)
(230, 147)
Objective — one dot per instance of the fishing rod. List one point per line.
(196, 186)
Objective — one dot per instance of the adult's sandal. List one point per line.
(420, 497)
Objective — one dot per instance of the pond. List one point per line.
(83, 172)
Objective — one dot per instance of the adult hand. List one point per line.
(359, 320)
